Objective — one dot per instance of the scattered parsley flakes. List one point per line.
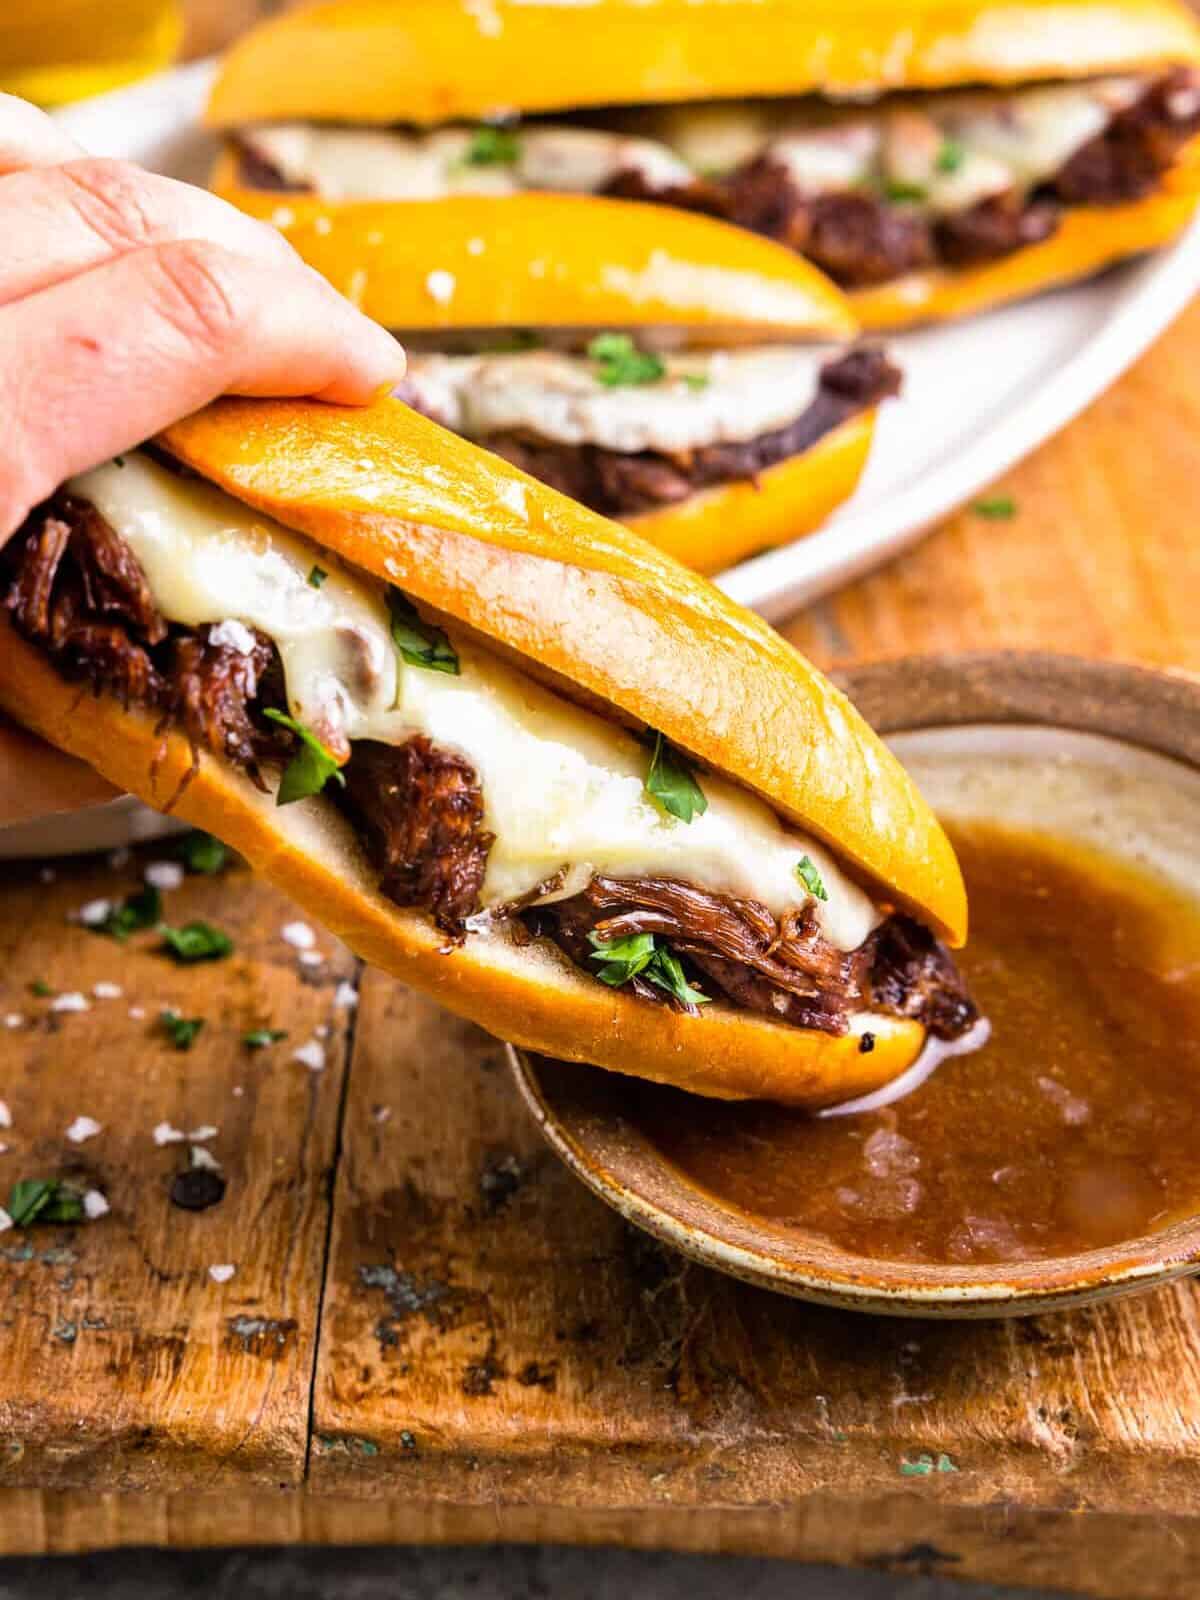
(200, 852)
(419, 643)
(896, 190)
(619, 361)
(195, 941)
(697, 381)
(996, 508)
(136, 913)
(181, 1031)
(641, 955)
(310, 770)
(492, 147)
(43, 1200)
(924, 1465)
(670, 782)
(951, 156)
(317, 577)
(260, 1038)
(807, 872)
(41, 988)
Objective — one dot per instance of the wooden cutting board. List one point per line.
(433, 1332)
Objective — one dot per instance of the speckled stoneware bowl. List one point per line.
(1104, 753)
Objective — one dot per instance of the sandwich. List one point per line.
(502, 747)
(934, 159)
(666, 368)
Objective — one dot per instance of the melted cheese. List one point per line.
(562, 787)
(391, 164)
(1005, 139)
(733, 395)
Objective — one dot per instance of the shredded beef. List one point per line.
(419, 811)
(786, 969)
(994, 228)
(1126, 161)
(619, 483)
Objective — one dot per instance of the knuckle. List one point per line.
(114, 199)
(197, 292)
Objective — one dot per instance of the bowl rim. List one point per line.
(1145, 707)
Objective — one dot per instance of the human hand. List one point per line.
(127, 301)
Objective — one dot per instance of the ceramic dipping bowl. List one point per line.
(1098, 752)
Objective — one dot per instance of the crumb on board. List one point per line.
(83, 1129)
(222, 1271)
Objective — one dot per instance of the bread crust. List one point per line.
(718, 527)
(530, 995)
(373, 61)
(536, 260)
(590, 607)
(1088, 239)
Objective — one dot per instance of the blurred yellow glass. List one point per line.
(52, 51)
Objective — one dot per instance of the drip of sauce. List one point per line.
(1071, 1128)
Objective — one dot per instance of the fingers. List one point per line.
(35, 778)
(94, 365)
(28, 137)
(80, 213)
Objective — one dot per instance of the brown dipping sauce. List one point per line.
(1074, 1127)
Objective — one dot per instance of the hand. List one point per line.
(127, 301)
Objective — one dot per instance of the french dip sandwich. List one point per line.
(666, 368)
(499, 745)
(934, 159)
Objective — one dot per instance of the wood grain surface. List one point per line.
(438, 1335)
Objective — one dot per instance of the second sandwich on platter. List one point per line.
(499, 745)
(665, 368)
(934, 159)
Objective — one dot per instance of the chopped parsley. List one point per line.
(641, 955)
(419, 643)
(670, 782)
(492, 147)
(260, 1038)
(136, 913)
(310, 769)
(41, 988)
(181, 1031)
(200, 852)
(619, 362)
(507, 344)
(811, 879)
(317, 577)
(195, 941)
(895, 189)
(951, 156)
(997, 508)
(44, 1200)
(697, 381)
(118, 461)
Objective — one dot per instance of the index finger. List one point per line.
(29, 138)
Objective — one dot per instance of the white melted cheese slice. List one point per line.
(392, 164)
(1002, 140)
(562, 787)
(703, 398)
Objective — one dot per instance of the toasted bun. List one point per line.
(589, 607)
(550, 261)
(1088, 239)
(528, 994)
(376, 61)
(719, 527)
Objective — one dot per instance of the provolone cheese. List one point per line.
(703, 398)
(562, 787)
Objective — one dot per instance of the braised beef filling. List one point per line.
(620, 483)
(74, 589)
